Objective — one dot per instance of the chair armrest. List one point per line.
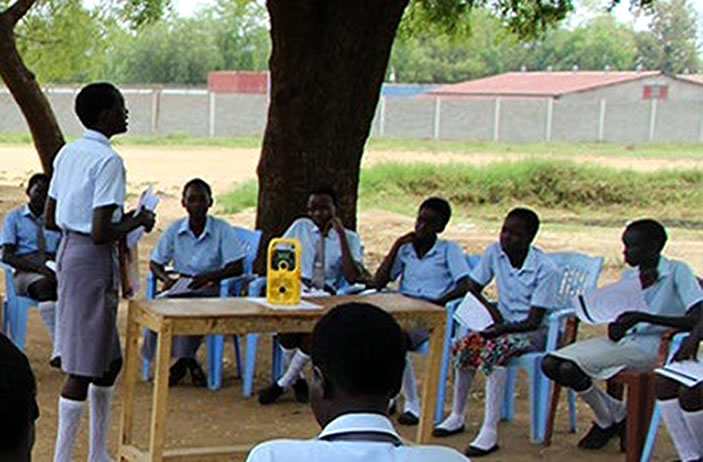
(666, 345)
(150, 286)
(256, 286)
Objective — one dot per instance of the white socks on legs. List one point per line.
(673, 416)
(294, 371)
(100, 400)
(70, 412)
(409, 389)
(607, 410)
(288, 354)
(694, 422)
(495, 390)
(462, 384)
(47, 312)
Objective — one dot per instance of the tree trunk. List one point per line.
(24, 88)
(327, 65)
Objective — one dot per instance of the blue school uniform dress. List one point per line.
(88, 174)
(215, 248)
(309, 235)
(429, 277)
(675, 291)
(535, 284)
(21, 229)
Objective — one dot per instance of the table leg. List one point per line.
(130, 381)
(429, 391)
(160, 397)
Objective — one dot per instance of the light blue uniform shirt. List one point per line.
(433, 275)
(88, 174)
(307, 232)
(216, 246)
(675, 291)
(534, 285)
(20, 228)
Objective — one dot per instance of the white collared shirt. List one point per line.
(320, 449)
(88, 174)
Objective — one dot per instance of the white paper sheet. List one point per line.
(688, 373)
(51, 264)
(147, 200)
(303, 305)
(471, 313)
(605, 304)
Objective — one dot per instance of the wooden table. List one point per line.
(169, 317)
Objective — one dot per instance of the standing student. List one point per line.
(331, 257)
(681, 407)
(674, 299)
(18, 404)
(358, 356)
(86, 199)
(429, 268)
(527, 282)
(201, 247)
(26, 246)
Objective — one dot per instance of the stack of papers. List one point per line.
(605, 304)
(180, 288)
(147, 200)
(688, 373)
(472, 314)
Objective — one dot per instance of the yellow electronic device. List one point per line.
(283, 272)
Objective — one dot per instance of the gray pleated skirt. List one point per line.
(88, 284)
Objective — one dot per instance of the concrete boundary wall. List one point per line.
(156, 111)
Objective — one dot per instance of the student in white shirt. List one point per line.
(681, 407)
(352, 382)
(86, 198)
(331, 257)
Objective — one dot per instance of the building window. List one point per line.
(655, 92)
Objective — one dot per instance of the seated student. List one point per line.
(430, 268)
(674, 297)
(18, 404)
(26, 246)
(527, 282)
(681, 407)
(331, 257)
(200, 247)
(352, 382)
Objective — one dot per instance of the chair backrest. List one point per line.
(579, 273)
(10, 292)
(249, 240)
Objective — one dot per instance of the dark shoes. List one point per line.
(270, 394)
(302, 392)
(598, 437)
(408, 418)
(178, 371)
(473, 451)
(441, 432)
(55, 362)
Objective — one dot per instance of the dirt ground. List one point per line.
(199, 417)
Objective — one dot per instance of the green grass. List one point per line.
(570, 192)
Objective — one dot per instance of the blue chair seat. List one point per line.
(15, 308)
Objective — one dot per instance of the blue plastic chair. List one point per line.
(656, 412)
(579, 273)
(15, 307)
(228, 287)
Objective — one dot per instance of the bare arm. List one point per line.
(161, 274)
(626, 321)
(531, 323)
(349, 268)
(50, 215)
(383, 273)
(462, 286)
(231, 269)
(9, 256)
(104, 230)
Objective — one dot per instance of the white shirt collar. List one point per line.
(359, 422)
(97, 136)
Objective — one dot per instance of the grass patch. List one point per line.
(564, 188)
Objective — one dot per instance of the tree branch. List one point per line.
(17, 11)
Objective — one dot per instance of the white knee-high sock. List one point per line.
(288, 354)
(495, 390)
(100, 400)
(70, 412)
(47, 312)
(460, 400)
(295, 369)
(694, 422)
(684, 441)
(409, 388)
(602, 406)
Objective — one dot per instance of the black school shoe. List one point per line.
(197, 375)
(598, 437)
(302, 392)
(270, 394)
(55, 362)
(473, 451)
(177, 372)
(408, 418)
(441, 432)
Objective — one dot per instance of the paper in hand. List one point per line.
(605, 304)
(688, 373)
(180, 287)
(147, 200)
(471, 313)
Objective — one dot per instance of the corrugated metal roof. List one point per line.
(532, 84)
